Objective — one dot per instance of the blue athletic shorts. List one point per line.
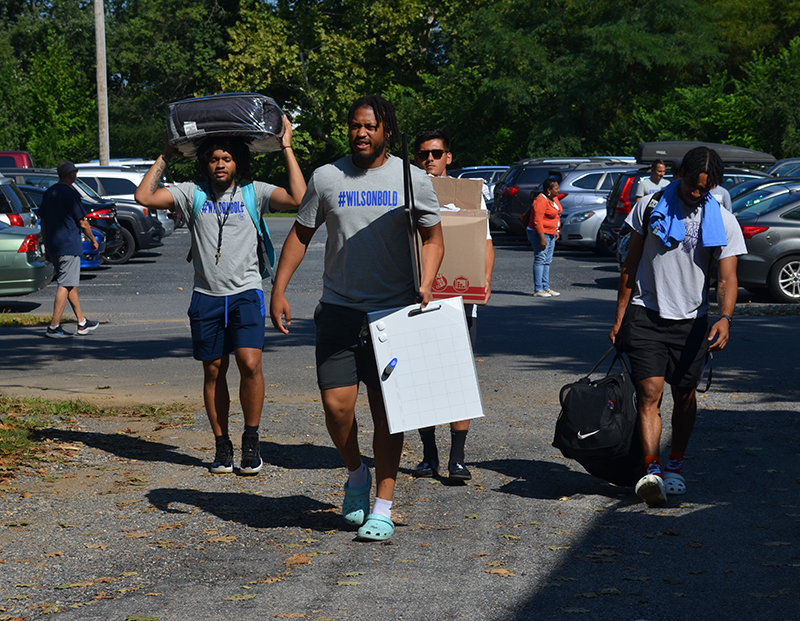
(222, 324)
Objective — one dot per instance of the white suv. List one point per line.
(120, 183)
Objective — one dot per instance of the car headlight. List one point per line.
(581, 217)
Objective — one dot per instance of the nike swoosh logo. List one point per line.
(583, 436)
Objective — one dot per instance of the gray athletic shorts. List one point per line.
(68, 270)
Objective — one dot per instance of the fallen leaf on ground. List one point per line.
(239, 597)
(505, 573)
(297, 559)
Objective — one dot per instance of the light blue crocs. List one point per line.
(376, 528)
(356, 502)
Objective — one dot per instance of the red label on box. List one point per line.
(460, 286)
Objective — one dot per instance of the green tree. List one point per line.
(62, 111)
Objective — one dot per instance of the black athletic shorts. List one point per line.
(668, 348)
(344, 349)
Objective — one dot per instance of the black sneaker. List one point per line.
(223, 460)
(251, 455)
(57, 332)
(87, 327)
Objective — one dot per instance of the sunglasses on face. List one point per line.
(436, 153)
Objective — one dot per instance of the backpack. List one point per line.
(266, 251)
(598, 424)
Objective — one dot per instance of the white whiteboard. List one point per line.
(434, 380)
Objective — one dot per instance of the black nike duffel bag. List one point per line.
(598, 425)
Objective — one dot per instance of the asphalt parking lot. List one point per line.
(126, 523)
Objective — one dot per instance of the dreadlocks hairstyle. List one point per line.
(384, 113)
(703, 160)
(432, 134)
(235, 146)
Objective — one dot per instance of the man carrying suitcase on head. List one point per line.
(227, 309)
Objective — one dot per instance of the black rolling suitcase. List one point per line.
(255, 118)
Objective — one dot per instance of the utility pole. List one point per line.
(102, 86)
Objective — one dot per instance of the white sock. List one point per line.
(358, 477)
(83, 323)
(382, 507)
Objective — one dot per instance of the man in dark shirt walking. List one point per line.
(63, 219)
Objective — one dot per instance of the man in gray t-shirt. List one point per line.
(654, 182)
(662, 308)
(368, 267)
(227, 309)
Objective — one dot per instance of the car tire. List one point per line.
(603, 248)
(784, 280)
(124, 252)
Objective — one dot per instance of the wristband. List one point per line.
(728, 317)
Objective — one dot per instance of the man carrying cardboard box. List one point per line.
(432, 154)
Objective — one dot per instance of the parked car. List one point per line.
(771, 229)
(752, 184)
(14, 207)
(765, 193)
(23, 268)
(119, 183)
(92, 259)
(16, 159)
(579, 227)
(138, 227)
(782, 168)
(521, 183)
(489, 174)
(100, 216)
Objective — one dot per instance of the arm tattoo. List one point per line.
(721, 293)
(160, 167)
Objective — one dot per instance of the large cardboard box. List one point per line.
(463, 270)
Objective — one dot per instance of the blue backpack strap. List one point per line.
(198, 200)
(249, 194)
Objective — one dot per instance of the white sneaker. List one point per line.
(543, 294)
(553, 293)
(651, 489)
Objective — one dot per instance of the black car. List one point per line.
(139, 229)
(521, 183)
(99, 215)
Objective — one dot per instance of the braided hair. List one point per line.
(703, 160)
(384, 113)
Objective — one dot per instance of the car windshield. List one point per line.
(86, 189)
(756, 196)
(532, 176)
(783, 169)
(486, 175)
(758, 207)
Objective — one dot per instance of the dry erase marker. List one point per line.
(390, 367)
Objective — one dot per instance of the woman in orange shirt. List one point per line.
(543, 230)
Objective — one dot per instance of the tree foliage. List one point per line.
(506, 78)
